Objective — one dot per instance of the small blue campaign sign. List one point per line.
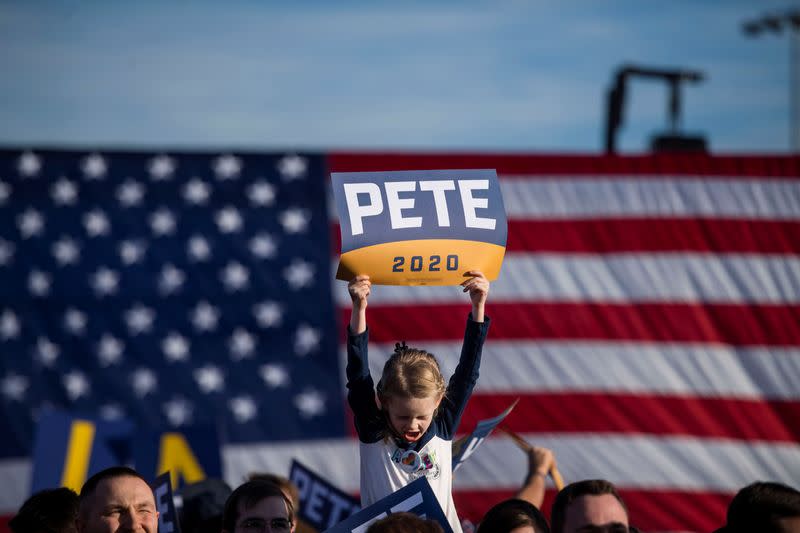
(417, 497)
(322, 505)
(464, 447)
(165, 505)
(420, 227)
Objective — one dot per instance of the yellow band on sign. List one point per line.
(176, 457)
(79, 452)
(422, 262)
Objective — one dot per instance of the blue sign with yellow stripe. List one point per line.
(68, 449)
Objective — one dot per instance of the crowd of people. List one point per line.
(405, 425)
(119, 500)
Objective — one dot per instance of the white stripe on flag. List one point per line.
(16, 480)
(664, 277)
(706, 370)
(605, 196)
(582, 198)
(665, 462)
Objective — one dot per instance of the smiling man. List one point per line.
(117, 500)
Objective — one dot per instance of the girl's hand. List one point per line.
(478, 287)
(359, 288)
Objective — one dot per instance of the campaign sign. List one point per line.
(165, 505)
(322, 505)
(420, 227)
(466, 446)
(68, 449)
(190, 455)
(417, 497)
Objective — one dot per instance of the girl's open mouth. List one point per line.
(412, 435)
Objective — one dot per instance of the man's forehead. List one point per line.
(270, 506)
(124, 488)
(599, 509)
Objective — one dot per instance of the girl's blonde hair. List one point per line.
(410, 373)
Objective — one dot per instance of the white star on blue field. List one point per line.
(505, 75)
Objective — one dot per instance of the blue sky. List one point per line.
(504, 75)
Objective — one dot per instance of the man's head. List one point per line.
(258, 506)
(764, 506)
(289, 489)
(589, 506)
(514, 515)
(203, 503)
(117, 500)
(47, 511)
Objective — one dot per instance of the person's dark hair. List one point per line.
(573, 491)
(47, 511)
(203, 503)
(510, 514)
(760, 506)
(249, 494)
(115, 471)
(89, 487)
(289, 488)
(405, 523)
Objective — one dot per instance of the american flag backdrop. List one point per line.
(647, 315)
(169, 289)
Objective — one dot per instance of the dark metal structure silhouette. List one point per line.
(673, 140)
(775, 24)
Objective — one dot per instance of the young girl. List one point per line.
(408, 432)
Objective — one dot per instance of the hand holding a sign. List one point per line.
(478, 287)
(540, 462)
(359, 289)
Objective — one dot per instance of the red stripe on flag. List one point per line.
(641, 166)
(585, 412)
(654, 235)
(741, 325)
(649, 510)
(644, 235)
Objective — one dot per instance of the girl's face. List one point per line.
(411, 417)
